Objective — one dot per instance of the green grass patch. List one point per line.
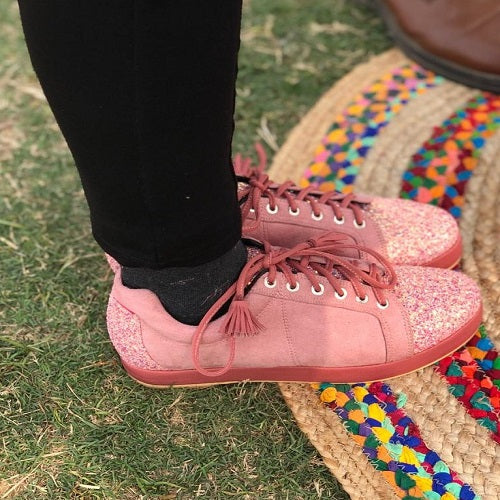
(72, 424)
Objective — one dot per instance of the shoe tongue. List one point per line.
(244, 175)
(365, 266)
(336, 272)
(255, 247)
(364, 199)
(361, 264)
(253, 251)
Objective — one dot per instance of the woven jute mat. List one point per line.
(391, 128)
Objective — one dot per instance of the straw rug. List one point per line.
(392, 128)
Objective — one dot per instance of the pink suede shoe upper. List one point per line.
(300, 319)
(405, 231)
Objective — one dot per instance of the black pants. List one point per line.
(143, 91)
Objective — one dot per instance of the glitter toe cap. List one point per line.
(438, 302)
(415, 234)
(124, 329)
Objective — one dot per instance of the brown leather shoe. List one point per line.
(459, 39)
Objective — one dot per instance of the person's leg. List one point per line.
(144, 94)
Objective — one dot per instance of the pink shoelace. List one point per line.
(260, 185)
(314, 258)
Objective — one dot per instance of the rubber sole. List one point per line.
(449, 69)
(162, 379)
(449, 259)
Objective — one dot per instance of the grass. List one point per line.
(72, 425)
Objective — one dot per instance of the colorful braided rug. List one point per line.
(393, 128)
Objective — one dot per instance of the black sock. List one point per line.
(187, 293)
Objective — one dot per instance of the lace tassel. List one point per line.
(240, 320)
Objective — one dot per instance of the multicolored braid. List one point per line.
(353, 133)
(375, 418)
(483, 351)
(439, 170)
(473, 388)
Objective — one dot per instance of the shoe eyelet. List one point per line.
(317, 217)
(362, 301)
(270, 210)
(294, 289)
(343, 296)
(269, 285)
(293, 212)
(383, 306)
(359, 226)
(321, 290)
(338, 221)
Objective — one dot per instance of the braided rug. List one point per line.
(392, 128)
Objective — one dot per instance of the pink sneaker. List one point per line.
(303, 314)
(404, 231)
